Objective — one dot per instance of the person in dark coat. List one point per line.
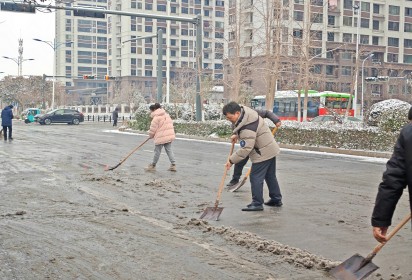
(6, 122)
(397, 176)
(115, 116)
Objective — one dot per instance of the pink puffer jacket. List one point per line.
(161, 127)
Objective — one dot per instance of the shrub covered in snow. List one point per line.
(349, 135)
(389, 115)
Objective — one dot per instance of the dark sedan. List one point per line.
(69, 116)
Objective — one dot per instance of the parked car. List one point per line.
(330, 118)
(69, 116)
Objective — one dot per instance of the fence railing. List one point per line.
(105, 118)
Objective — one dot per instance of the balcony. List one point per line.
(248, 25)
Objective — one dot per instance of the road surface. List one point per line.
(63, 217)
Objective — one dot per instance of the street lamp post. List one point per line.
(159, 36)
(19, 61)
(363, 63)
(355, 102)
(54, 45)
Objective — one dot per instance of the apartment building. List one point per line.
(86, 55)
(330, 30)
(98, 49)
(135, 61)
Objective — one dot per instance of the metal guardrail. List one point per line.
(104, 118)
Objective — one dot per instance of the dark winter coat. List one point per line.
(256, 139)
(115, 114)
(397, 176)
(6, 116)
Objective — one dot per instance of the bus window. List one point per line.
(293, 106)
(276, 107)
(336, 105)
(287, 107)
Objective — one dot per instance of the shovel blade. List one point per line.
(237, 186)
(212, 213)
(353, 269)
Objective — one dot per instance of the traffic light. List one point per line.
(88, 77)
(107, 77)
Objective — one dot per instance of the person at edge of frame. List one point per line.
(396, 177)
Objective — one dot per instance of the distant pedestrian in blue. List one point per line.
(6, 117)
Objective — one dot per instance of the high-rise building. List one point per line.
(326, 35)
(98, 47)
(86, 56)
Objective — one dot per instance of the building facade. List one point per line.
(99, 46)
(335, 40)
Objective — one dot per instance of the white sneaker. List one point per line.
(172, 168)
(150, 167)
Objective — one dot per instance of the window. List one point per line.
(394, 10)
(148, 6)
(347, 37)
(375, 25)
(298, 15)
(148, 62)
(330, 70)
(148, 28)
(346, 70)
(316, 69)
(316, 2)
(407, 59)
(376, 8)
(393, 57)
(148, 73)
(347, 21)
(407, 43)
(407, 27)
(408, 12)
(161, 8)
(331, 36)
(219, 14)
(346, 55)
(185, 10)
(393, 42)
(365, 6)
(348, 4)
(316, 18)
(330, 54)
(393, 25)
(297, 33)
(364, 22)
(364, 39)
(316, 35)
(331, 20)
(375, 41)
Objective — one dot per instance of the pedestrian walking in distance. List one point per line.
(115, 116)
(6, 122)
(256, 142)
(397, 176)
(163, 133)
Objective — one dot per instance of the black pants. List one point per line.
(238, 169)
(114, 122)
(264, 171)
(9, 129)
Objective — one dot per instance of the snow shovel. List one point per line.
(213, 213)
(358, 267)
(126, 157)
(243, 181)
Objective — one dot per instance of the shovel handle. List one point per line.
(126, 157)
(389, 236)
(222, 182)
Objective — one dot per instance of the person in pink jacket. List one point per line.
(163, 133)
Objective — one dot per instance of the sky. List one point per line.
(14, 25)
